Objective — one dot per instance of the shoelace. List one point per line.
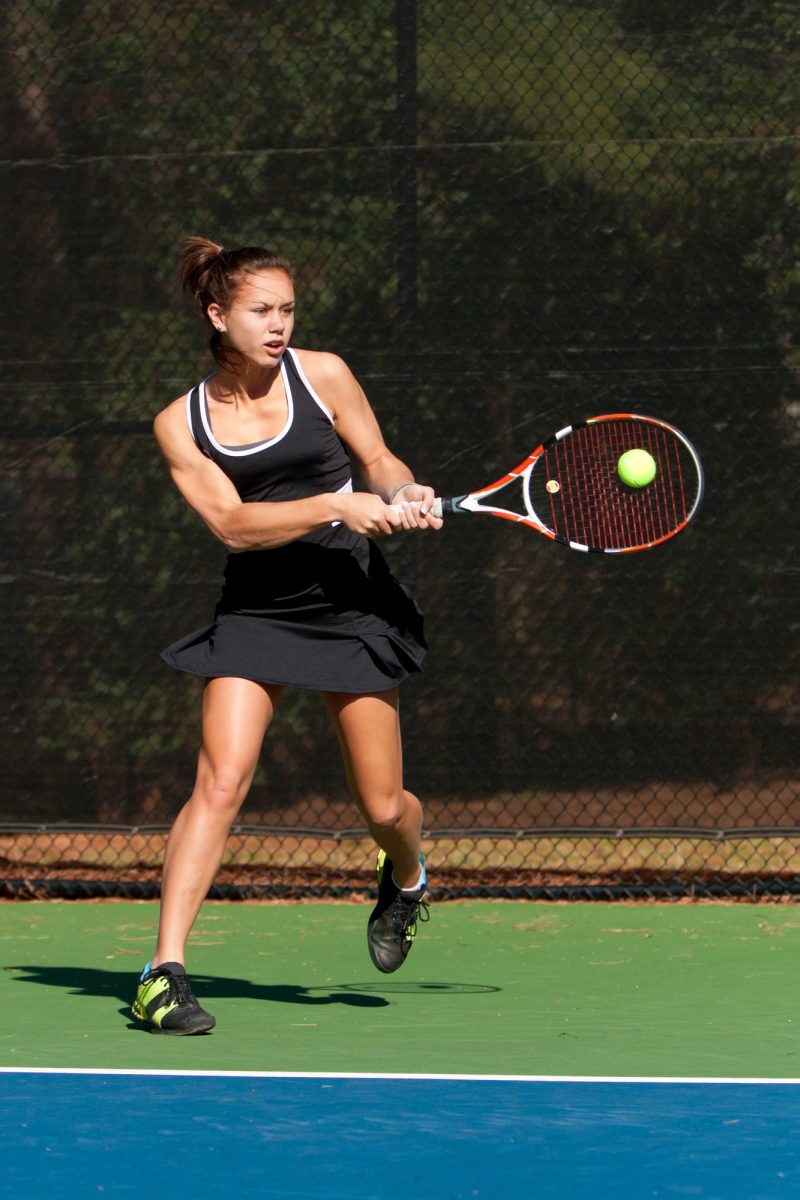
(179, 989)
(405, 914)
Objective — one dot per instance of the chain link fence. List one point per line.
(506, 216)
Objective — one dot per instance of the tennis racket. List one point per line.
(570, 490)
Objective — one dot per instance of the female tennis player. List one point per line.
(262, 450)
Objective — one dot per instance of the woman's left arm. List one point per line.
(383, 472)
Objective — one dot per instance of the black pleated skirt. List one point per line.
(323, 617)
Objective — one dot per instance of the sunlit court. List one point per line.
(399, 687)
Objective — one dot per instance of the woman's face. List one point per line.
(260, 319)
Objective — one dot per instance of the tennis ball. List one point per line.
(637, 468)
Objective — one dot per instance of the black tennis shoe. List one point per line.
(393, 922)
(166, 1004)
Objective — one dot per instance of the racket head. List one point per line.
(573, 494)
(573, 490)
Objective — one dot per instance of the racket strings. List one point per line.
(576, 482)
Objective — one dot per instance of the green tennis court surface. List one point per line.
(490, 989)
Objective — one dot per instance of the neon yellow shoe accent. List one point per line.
(165, 1003)
(146, 1006)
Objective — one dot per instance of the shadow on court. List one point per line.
(89, 981)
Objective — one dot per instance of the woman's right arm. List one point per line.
(257, 526)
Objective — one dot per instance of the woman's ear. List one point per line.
(216, 317)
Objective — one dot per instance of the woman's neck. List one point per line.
(251, 383)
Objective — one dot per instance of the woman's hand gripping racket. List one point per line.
(573, 487)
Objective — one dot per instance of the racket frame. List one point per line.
(474, 502)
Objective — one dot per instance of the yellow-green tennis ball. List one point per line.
(637, 468)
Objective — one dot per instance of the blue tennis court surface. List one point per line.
(336, 1137)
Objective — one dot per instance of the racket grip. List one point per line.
(438, 508)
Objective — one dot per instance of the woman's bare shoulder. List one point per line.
(323, 366)
(171, 420)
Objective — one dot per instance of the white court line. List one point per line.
(654, 1079)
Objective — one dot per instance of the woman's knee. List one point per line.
(384, 815)
(390, 809)
(221, 789)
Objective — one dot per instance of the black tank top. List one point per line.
(307, 458)
(329, 570)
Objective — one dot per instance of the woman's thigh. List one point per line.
(236, 715)
(368, 728)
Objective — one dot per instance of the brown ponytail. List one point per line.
(198, 255)
(212, 275)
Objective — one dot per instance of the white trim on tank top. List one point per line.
(241, 452)
(256, 447)
(312, 393)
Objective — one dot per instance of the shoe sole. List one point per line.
(180, 1032)
(205, 1025)
(151, 1028)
